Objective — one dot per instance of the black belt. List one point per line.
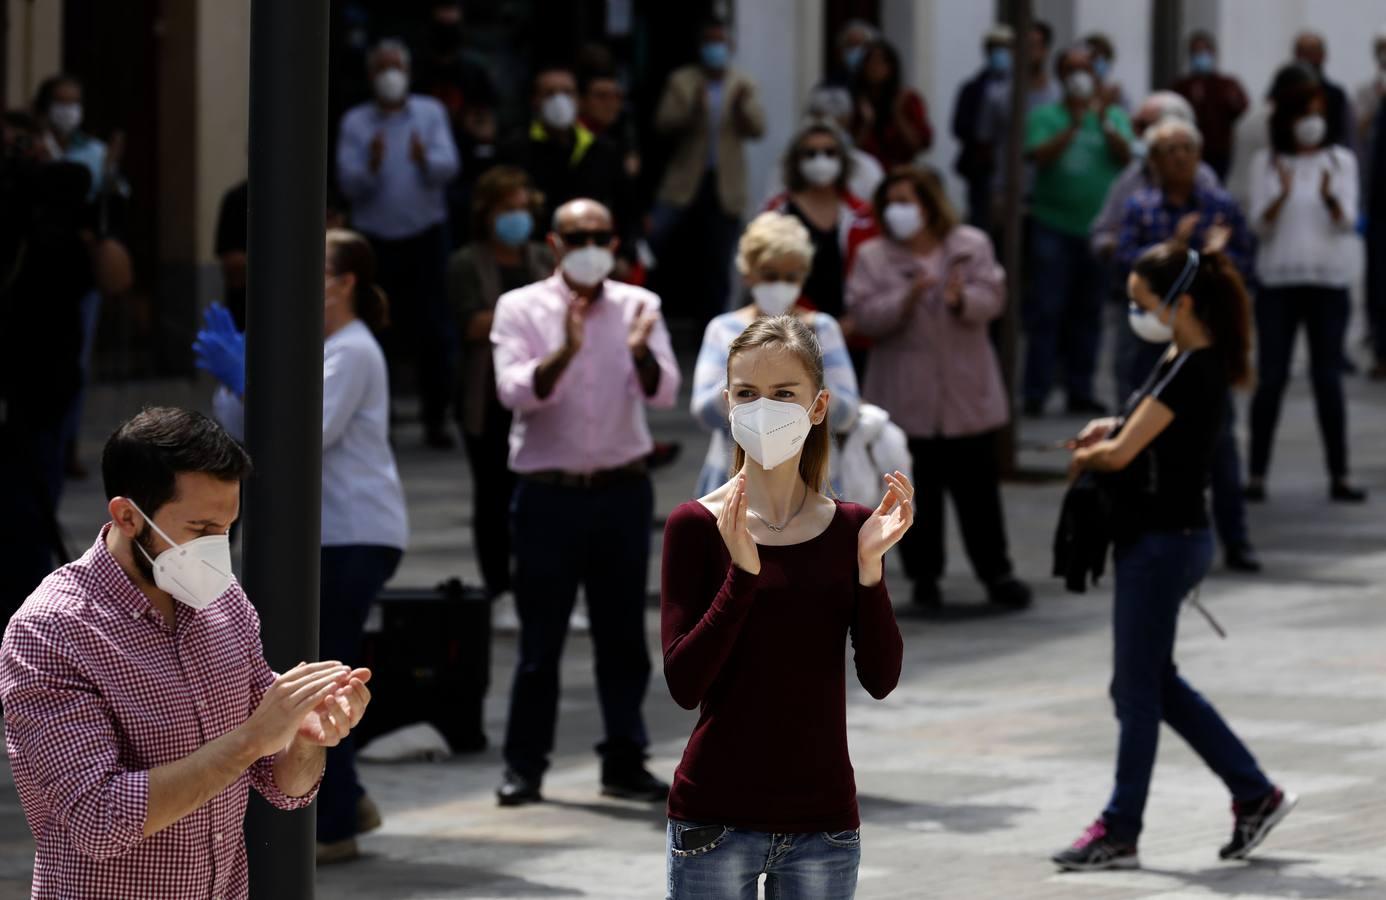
(588, 480)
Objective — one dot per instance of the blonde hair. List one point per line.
(791, 334)
(770, 235)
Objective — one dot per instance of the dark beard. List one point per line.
(145, 539)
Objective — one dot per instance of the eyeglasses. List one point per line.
(583, 238)
(811, 152)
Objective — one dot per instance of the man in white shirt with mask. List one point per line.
(395, 158)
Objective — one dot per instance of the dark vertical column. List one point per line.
(1166, 39)
(1019, 15)
(288, 153)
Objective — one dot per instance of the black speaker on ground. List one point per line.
(430, 661)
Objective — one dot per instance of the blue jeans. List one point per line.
(813, 866)
(1154, 573)
(351, 578)
(598, 538)
(1062, 313)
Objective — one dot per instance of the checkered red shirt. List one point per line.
(98, 690)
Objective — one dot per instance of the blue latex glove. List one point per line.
(220, 349)
(1362, 223)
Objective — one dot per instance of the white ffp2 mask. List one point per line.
(587, 266)
(770, 431)
(195, 573)
(774, 298)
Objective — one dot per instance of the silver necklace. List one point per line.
(779, 528)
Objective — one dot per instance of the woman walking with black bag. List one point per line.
(1163, 449)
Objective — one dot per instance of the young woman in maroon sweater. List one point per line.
(763, 581)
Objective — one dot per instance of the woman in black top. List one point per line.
(1163, 450)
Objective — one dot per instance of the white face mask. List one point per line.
(774, 298)
(1309, 131)
(820, 169)
(903, 220)
(391, 86)
(1080, 85)
(770, 431)
(587, 266)
(559, 111)
(195, 573)
(1147, 325)
(65, 117)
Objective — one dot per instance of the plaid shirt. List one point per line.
(1148, 219)
(97, 691)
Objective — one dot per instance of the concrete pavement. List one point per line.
(996, 748)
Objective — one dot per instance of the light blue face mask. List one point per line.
(1201, 62)
(715, 55)
(514, 227)
(999, 59)
(853, 57)
(1101, 67)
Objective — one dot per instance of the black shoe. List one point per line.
(518, 790)
(1342, 492)
(1033, 409)
(1254, 491)
(1010, 592)
(1085, 406)
(663, 454)
(1255, 821)
(1243, 559)
(439, 438)
(1096, 850)
(927, 595)
(633, 782)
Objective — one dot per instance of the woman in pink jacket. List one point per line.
(927, 289)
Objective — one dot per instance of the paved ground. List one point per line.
(997, 746)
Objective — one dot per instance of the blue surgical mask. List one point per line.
(1201, 62)
(1101, 67)
(999, 59)
(514, 227)
(1139, 149)
(715, 55)
(853, 57)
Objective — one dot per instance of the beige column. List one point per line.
(34, 48)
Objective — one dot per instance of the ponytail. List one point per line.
(348, 253)
(1219, 295)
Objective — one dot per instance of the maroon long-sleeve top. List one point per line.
(762, 657)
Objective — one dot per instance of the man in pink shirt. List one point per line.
(139, 709)
(578, 357)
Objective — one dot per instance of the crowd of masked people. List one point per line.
(518, 282)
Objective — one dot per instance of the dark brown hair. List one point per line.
(929, 189)
(348, 253)
(144, 456)
(1295, 89)
(790, 333)
(492, 188)
(1219, 300)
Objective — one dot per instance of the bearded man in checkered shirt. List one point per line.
(139, 709)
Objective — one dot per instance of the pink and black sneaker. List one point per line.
(1097, 850)
(1255, 820)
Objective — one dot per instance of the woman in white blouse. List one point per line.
(1304, 208)
(364, 524)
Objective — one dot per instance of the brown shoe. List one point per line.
(367, 815)
(338, 851)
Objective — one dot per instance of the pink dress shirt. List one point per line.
(936, 375)
(595, 417)
(98, 690)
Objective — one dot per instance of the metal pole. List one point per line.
(288, 153)
(1019, 15)
(1166, 41)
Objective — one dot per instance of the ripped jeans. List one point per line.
(714, 862)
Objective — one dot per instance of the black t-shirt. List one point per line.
(824, 286)
(1179, 462)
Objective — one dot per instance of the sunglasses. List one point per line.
(583, 238)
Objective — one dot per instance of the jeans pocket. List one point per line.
(847, 840)
(690, 839)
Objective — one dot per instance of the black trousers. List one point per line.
(1323, 311)
(493, 486)
(421, 333)
(966, 468)
(598, 538)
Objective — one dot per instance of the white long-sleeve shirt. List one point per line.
(1304, 245)
(362, 497)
